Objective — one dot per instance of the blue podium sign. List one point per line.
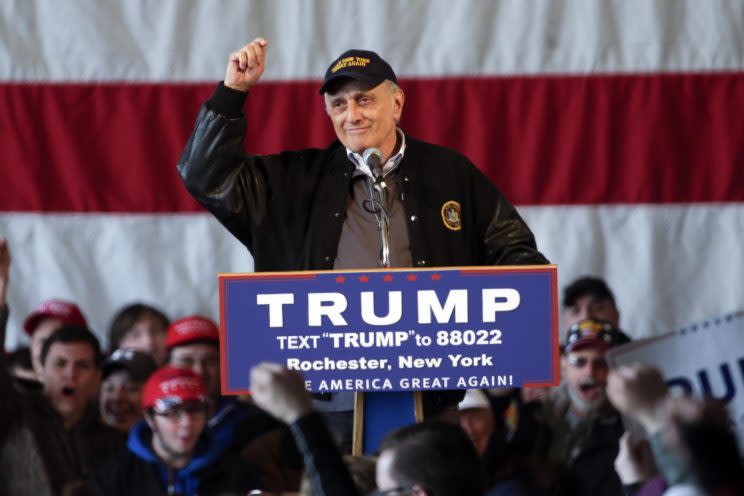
(393, 330)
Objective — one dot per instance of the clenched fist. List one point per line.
(638, 391)
(280, 392)
(246, 65)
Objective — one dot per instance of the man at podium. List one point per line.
(376, 197)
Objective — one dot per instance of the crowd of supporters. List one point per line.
(146, 417)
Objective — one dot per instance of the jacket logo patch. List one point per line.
(451, 215)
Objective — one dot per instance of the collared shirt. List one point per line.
(389, 166)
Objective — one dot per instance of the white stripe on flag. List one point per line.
(667, 264)
(187, 40)
(107, 261)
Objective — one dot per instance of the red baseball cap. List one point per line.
(191, 329)
(66, 311)
(168, 387)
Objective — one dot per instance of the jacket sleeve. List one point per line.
(325, 466)
(10, 406)
(507, 238)
(216, 170)
(671, 463)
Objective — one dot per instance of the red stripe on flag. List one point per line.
(543, 140)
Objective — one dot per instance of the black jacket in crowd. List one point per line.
(128, 474)
(57, 456)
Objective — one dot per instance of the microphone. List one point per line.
(373, 159)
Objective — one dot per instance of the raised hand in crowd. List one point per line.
(635, 461)
(691, 439)
(246, 65)
(280, 392)
(638, 391)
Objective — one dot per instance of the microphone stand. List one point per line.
(359, 396)
(381, 188)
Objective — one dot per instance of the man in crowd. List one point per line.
(238, 427)
(47, 440)
(583, 429)
(589, 298)
(194, 343)
(27, 464)
(431, 458)
(49, 316)
(476, 418)
(171, 452)
(140, 327)
(71, 375)
(321, 209)
(120, 401)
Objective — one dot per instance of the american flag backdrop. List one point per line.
(616, 127)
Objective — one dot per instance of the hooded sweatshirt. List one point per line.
(138, 470)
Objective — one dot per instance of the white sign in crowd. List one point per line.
(705, 359)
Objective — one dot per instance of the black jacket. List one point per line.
(61, 456)
(138, 470)
(288, 209)
(325, 467)
(28, 418)
(128, 474)
(583, 455)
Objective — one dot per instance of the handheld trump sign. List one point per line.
(393, 330)
(706, 359)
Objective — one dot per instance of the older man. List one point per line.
(583, 429)
(322, 209)
(306, 209)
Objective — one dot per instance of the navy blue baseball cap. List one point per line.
(361, 65)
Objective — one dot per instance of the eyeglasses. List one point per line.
(395, 491)
(580, 362)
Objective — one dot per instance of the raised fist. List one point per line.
(280, 392)
(638, 391)
(246, 65)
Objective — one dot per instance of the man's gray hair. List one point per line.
(394, 88)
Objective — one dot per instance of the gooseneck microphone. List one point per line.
(373, 159)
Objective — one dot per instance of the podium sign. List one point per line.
(393, 330)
